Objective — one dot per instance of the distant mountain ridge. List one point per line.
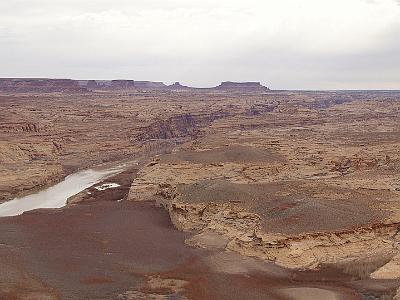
(48, 85)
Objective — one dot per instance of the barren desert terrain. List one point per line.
(232, 192)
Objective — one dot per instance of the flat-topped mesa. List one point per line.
(43, 85)
(242, 86)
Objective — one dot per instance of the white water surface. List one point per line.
(107, 186)
(56, 196)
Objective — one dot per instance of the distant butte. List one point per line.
(229, 85)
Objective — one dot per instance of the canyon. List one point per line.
(272, 190)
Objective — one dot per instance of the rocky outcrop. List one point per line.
(180, 126)
(186, 126)
(260, 109)
(314, 249)
(245, 235)
(178, 87)
(21, 127)
(352, 164)
(194, 207)
(391, 270)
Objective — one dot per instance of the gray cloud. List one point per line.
(285, 44)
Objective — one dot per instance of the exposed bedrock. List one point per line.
(244, 233)
(211, 190)
(180, 126)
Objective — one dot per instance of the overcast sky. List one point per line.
(285, 44)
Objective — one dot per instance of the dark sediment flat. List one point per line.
(95, 250)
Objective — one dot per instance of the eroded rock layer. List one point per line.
(303, 179)
(311, 181)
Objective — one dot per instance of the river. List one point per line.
(56, 196)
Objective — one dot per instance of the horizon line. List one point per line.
(213, 86)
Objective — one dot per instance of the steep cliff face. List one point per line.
(186, 125)
(315, 249)
(180, 126)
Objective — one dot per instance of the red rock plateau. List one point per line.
(239, 193)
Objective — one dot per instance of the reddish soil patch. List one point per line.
(96, 280)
